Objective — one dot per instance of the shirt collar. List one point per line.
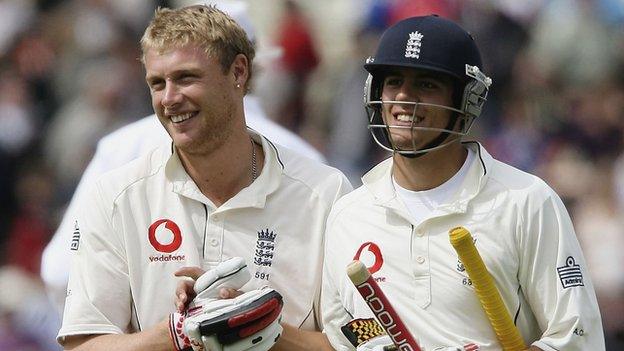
(473, 182)
(378, 181)
(253, 195)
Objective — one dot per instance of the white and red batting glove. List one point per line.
(247, 322)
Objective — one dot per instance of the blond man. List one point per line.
(219, 191)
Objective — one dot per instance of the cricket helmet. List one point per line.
(434, 44)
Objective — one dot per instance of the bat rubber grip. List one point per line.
(489, 297)
(357, 272)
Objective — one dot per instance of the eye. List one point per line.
(393, 81)
(156, 84)
(427, 84)
(187, 78)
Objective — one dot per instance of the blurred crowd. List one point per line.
(69, 74)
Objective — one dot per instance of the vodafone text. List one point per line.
(166, 258)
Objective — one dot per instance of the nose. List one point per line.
(171, 95)
(406, 93)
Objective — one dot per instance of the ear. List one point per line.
(240, 70)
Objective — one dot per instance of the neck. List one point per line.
(222, 173)
(430, 170)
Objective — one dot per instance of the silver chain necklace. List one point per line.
(254, 164)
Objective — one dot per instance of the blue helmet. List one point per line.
(435, 44)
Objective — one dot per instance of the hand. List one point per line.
(249, 321)
(221, 285)
(384, 343)
(378, 343)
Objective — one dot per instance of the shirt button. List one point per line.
(420, 259)
(420, 232)
(214, 242)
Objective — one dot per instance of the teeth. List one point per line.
(407, 118)
(182, 117)
(404, 118)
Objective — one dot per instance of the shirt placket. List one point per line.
(213, 246)
(421, 266)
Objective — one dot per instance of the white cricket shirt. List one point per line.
(124, 145)
(143, 221)
(421, 204)
(522, 231)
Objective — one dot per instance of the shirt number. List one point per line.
(263, 276)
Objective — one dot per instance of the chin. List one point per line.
(183, 142)
(402, 140)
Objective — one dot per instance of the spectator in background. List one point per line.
(285, 100)
(349, 146)
(94, 111)
(600, 227)
(31, 228)
(15, 17)
(28, 322)
(18, 127)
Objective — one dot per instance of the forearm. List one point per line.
(154, 339)
(293, 339)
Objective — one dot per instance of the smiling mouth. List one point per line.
(182, 117)
(403, 117)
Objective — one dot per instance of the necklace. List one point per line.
(254, 165)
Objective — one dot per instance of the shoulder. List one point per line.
(113, 183)
(130, 142)
(257, 120)
(353, 203)
(130, 133)
(286, 138)
(312, 174)
(522, 185)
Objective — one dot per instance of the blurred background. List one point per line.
(69, 74)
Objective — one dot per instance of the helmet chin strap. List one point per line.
(435, 142)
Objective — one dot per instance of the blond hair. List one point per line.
(206, 26)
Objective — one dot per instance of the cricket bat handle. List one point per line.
(489, 297)
(381, 307)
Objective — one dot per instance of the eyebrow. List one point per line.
(176, 73)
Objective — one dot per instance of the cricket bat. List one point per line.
(489, 297)
(381, 307)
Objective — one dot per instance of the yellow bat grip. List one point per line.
(506, 332)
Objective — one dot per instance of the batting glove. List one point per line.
(247, 322)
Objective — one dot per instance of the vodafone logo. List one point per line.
(165, 235)
(365, 256)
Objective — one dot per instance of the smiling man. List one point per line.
(218, 191)
(425, 88)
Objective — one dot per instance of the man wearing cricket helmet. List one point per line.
(425, 89)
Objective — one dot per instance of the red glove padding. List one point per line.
(249, 321)
(245, 320)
